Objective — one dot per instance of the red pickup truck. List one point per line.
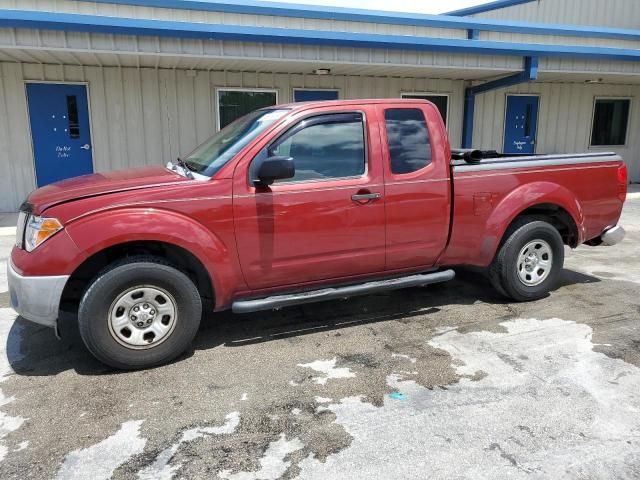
(299, 203)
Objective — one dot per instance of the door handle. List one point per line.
(86, 146)
(365, 197)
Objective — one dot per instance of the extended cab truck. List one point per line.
(293, 204)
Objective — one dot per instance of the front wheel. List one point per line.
(139, 313)
(529, 261)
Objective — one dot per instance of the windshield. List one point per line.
(213, 154)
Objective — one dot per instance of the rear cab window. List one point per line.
(408, 140)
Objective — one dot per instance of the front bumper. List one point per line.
(613, 236)
(36, 298)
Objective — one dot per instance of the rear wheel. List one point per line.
(139, 313)
(529, 260)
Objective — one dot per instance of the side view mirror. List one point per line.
(269, 169)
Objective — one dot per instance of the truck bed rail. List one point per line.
(527, 161)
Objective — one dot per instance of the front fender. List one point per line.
(519, 200)
(100, 231)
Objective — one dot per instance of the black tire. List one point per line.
(93, 314)
(504, 270)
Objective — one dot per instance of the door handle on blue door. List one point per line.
(86, 146)
(365, 197)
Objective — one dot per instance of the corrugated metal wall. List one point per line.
(142, 116)
(565, 118)
(604, 13)
(544, 9)
(48, 46)
(116, 10)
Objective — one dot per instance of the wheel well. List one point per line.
(556, 216)
(180, 258)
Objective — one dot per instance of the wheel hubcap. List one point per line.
(142, 317)
(534, 263)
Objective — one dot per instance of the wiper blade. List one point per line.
(185, 167)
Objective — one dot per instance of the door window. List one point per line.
(408, 139)
(324, 147)
(72, 114)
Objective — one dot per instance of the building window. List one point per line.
(440, 101)
(311, 95)
(234, 103)
(324, 147)
(408, 139)
(610, 122)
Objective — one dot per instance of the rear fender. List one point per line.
(521, 199)
(98, 232)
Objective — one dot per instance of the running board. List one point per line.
(278, 301)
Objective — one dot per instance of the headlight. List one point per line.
(38, 230)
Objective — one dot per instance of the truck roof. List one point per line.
(328, 103)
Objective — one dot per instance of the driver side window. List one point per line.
(324, 147)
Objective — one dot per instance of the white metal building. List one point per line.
(89, 86)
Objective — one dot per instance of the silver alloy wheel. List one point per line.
(142, 317)
(535, 262)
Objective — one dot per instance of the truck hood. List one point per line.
(101, 184)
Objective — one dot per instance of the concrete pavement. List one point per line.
(448, 381)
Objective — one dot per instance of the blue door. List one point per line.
(313, 95)
(521, 124)
(59, 117)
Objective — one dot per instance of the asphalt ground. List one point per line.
(447, 381)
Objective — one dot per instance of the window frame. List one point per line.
(311, 89)
(403, 95)
(365, 139)
(240, 89)
(593, 118)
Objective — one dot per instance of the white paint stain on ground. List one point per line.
(548, 406)
(99, 461)
(403, 356)
(322, 399)
(10, 338)
(328, 368)
(22, 446)
(8, 424)
(273, 463)
(161, 469)
(244, 397)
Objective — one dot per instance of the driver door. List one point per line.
(314, 227)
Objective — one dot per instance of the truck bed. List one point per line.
(582, 186)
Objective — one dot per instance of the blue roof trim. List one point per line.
(163, 28)
(253, 7)
(488, 7)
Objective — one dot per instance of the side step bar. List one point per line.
(278, 301)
